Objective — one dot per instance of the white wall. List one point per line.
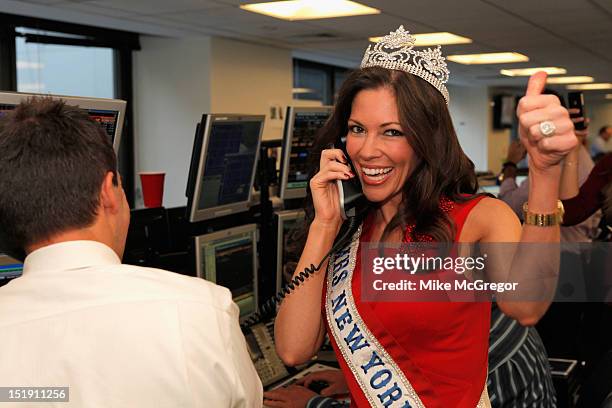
(171, 91)
(248, 78)
(177, 80)
(469, 109)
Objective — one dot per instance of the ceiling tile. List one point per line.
(152, 7)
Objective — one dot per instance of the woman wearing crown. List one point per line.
(421, 187)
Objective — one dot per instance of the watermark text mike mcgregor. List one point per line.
(438, 285)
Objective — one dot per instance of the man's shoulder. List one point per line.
(110, 287)
(166, 285)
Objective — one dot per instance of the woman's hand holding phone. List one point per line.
(332, 166)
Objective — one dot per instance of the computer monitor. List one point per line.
(225, 165)
(109, 113)
(10, 268)
(301, 127)
(289, 230)
(229, 258)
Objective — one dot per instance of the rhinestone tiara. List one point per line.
(396, 51)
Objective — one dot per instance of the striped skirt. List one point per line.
(523, 379)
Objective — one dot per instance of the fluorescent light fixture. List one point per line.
(531, 71)
(310, 9)
(590, 87)
(302, 90)
(570, 80)
(444, 38)
(490, 58)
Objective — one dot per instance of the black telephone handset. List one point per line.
(352, 200)
(576, 100)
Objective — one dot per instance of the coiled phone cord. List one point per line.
(268, 309)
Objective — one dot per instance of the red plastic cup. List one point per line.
(152, 188)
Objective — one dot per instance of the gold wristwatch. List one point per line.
(544, 220)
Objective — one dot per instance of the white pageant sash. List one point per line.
(378, 375)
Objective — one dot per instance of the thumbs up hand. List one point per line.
(545, 127)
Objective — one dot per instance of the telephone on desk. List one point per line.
(260, 342)
(268, 364)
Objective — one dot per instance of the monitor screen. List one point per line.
(229, 258)
(226, 166)
(289, 244)
(107, 119)
(9, 268)
(109, 113)
(301, 127)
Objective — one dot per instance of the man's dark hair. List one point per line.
(53, 160)
(603, 129)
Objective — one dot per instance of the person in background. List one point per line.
(602, 144)
(519, 373)
(580, 203)
(116, 335)
(515, 195)
(585, 199)
(556, 342)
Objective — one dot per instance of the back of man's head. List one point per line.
(53, 160)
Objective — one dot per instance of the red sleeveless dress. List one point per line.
(441, 347)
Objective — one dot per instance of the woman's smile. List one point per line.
(375, 176)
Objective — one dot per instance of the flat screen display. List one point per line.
(109, 113)
(302, 127)
(229, 258)
(226, 163)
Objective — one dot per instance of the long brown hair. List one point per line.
(444, 169)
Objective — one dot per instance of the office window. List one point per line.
(63, 69)
(319, 82)
(47, 56)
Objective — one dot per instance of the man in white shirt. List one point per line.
(116, 335)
